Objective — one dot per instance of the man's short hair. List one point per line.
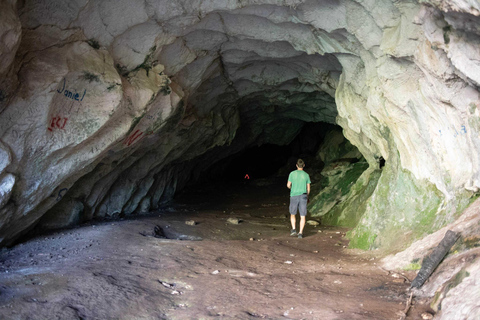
(300, 163)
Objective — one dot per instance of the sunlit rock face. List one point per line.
(108, 107)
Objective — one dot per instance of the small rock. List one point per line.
(288, 262)
(190, 222)
(313, 223)
(167, 285)
(216, 272)
(316, 251)
(337, 282)
(251, 239)
(427, 316)
(233, 220)
(399, 280)
(319, 231)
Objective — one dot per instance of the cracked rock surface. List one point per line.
(107, 108)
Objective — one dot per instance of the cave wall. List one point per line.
(105, 105)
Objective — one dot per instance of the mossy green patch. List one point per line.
(349, 211)
(464, 244)
(403, 209)
(148, 63)
(446, 34)
(90, 77)
(361, 239)
(340, 182)
(413, 266)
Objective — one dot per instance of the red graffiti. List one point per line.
(57, 122)
(133, 137)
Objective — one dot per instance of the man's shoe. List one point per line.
(300, 236)
(293, 232)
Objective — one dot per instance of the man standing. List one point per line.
(299, 185)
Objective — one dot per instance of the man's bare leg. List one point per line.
(302, 224)
(293, 220)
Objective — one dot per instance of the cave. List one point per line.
(118, 115)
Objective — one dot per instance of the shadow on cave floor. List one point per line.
(249, 270)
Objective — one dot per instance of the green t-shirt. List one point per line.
(299, 180)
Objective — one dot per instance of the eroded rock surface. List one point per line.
(108, 107)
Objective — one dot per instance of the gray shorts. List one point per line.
(300, 203)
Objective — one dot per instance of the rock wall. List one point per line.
(107, 107)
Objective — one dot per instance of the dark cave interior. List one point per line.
(264, 161)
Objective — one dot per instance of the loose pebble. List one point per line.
(233, 220)
(427, 316)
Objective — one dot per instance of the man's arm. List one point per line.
(308, 188)
(289, 185)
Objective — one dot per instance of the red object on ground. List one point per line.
(247, 177)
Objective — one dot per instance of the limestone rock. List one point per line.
(233, 220)
(67, 216)
(190, 222)
(337, 147)
(122, 103)
(6, 185)
(10, 36)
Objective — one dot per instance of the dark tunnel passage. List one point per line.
(270, 160)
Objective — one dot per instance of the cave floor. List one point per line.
(249, 270)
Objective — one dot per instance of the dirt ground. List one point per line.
(211, 270)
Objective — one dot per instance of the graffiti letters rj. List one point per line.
(57, 123)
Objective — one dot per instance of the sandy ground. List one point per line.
(211, 270)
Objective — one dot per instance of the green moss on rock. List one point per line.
(341, 178)
(400, 208)
(364, 239)
(349, 211)
(403, 209)
(413, 266)
(452, 283)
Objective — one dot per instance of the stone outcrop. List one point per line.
(108, 107)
